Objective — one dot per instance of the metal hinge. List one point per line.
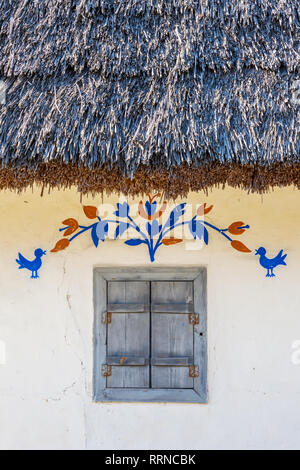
(194, 319)
(106, 317)
(106, 370)
(194, 371)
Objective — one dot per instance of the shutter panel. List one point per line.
(128, 334)
(172, 334)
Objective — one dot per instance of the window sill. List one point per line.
(149, 395)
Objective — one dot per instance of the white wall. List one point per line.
(46, 326)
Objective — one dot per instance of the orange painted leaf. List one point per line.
(61, 245)
(154, 216)
(142, 211)
(90, 211)
(160, 212)
(73, 226)
(234, 228)
(203, 210)
(171, 241)
(239, 246)
(208, 209)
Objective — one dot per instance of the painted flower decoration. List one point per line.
(237, 228)
(60, 245)
(150, 211)
(203, 210)
(72, 226)
(90, 211)
(154, 228)
(122, 210)
(198, 230)
(152, 234)
(101, 230)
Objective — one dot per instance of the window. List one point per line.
(150, 335)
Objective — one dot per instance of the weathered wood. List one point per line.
(128, 308)
(171, 377)
(172, 292)
(172, 308)
(172, 361)
(141, 393)
(149, 274)
(172, 334)
(200, 334)
(100, 292)
(129, 333)
(149, 395)
(127, 360)
(128, 377)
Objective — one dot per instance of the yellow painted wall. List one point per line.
(46, 328)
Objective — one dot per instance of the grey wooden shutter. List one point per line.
(172, 345)
(128, 334)
(129, 343)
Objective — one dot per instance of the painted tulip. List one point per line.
(150, 212)
(203, 210)
(237, 228)
(122, 210)
(72, 226)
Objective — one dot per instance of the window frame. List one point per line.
(177, 273)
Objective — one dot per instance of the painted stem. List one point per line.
(137, 228)
(243, 227)
(89, 227)
(85, 229)
(217, 230)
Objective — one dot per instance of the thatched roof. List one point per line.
(137, 95)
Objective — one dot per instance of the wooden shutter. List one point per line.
(172, 350)
(128, 334)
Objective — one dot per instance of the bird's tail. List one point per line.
(20, 263)
(282, 260)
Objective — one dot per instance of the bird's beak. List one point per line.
(44, 252)
(256, 252)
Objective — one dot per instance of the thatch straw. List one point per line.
(133, 95)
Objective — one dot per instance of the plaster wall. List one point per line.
(46, 332)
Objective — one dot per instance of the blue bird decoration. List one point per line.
(270, 264)
(34, 265)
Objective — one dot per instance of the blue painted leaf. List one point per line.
(122, 210)
(94, 236)
(134, 242)
(121, 228)
(197, 229)
(101, 230)
(153, 229)
(176, 214)
(206, 236)
(150, 207)
(192, 227)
